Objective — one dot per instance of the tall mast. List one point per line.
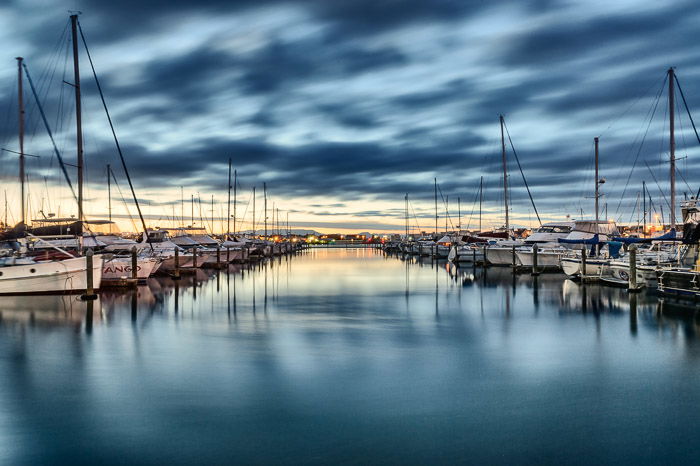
(447, 212)
(265, 205)
(182, 206)
(481, 198)
(288, 224)
(459, 214)
(253, 210)
(20, 100)
(235, 200)
(109, 196)
(672, 143)
(436, 209)
(192, 210)
(228, 209)
(505, 173)
(78, 113)
(597, 184)
(406, 212)
(644, 197)
(212, 214)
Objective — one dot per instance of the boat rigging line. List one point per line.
(48, 130)
(114, 134)
(521, 172)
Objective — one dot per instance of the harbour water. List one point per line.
(350, 356)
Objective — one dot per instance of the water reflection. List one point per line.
(345, 278)
(397, 356)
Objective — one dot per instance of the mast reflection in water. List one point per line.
(349, 355)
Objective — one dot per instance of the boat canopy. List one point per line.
(593, 240)
(591, 226)
(669, 236)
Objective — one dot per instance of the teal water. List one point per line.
(350, 356)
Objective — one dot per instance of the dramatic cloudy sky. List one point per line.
(343, 106)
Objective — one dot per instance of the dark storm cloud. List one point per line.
(574, 38)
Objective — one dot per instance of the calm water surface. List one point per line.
(350, 356)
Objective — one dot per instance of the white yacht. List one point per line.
(549, 251)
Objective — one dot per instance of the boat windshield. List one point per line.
(553, 229)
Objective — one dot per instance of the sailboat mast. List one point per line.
(265, 205)
(672, 143)
(436, 209)
(644, 198)
(212, 214)
(109, 195)
(505, 174)
(447, 212)
(406, 213)
(597, 184)
(182, 205)
(481, 198)
(235, 199)
(78, 113)
(459, 214)
(192, 210)
(20, 100)
(253, 210)
(228, 209)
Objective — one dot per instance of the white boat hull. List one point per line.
(168, 264)
(546, 259)
(119, 268)
(572, 266)
(500, 256)
(64, 276)
(466, 255)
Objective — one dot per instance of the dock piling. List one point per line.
(632, 286)
(89, 289)
(535, 271)
(134, 264)
(176, 274)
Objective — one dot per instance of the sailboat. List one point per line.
(502, 251)
(25, 274)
